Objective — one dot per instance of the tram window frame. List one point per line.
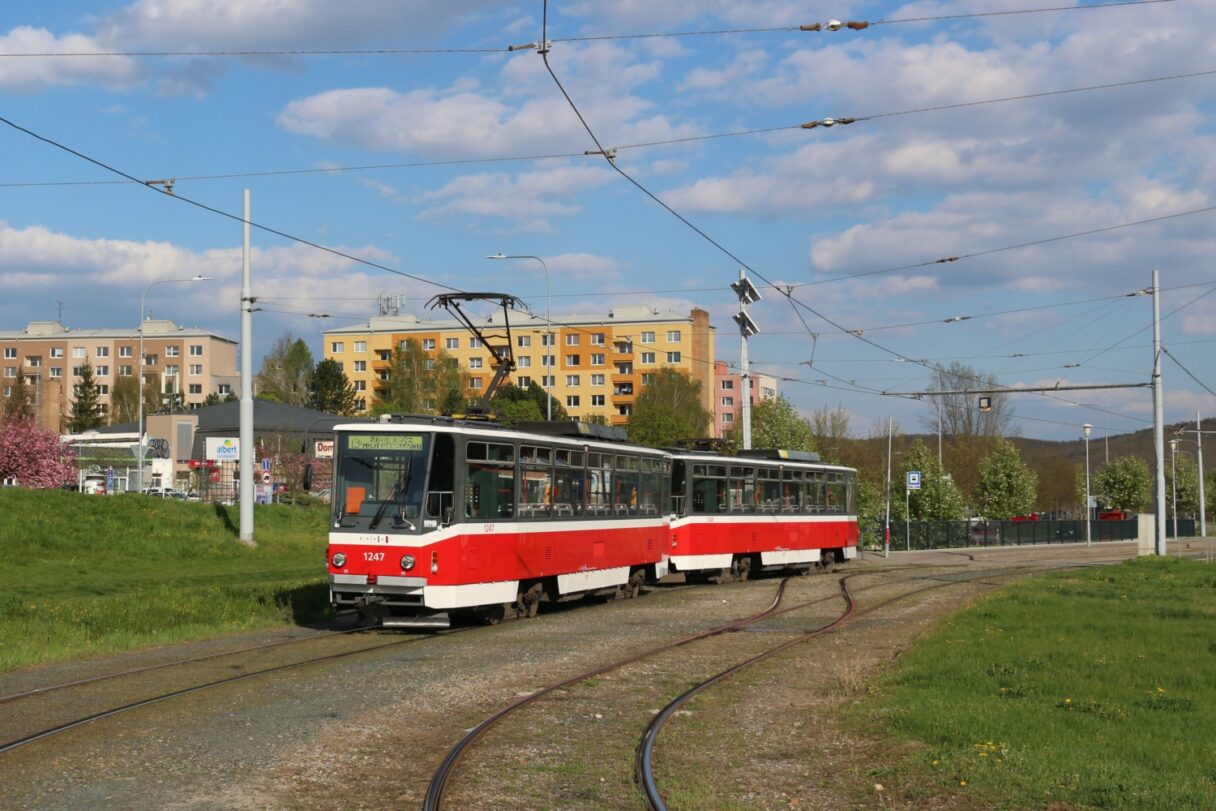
(569, 483)
(626, 485)
(708, 480)
(679, 479)
(650, 486)
(599, 492)
(768, 488)
(791, 490)
(742, 495)
(488, 458)
(813, 503)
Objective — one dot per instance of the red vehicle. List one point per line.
(1113, 515)
(435, 517)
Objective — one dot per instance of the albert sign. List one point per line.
(224, 449)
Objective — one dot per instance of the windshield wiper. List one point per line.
(394, 495)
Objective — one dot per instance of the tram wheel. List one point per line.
(634, 587)
(528, 604)
(741, 567)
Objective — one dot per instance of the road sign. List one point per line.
(913, 479)
(266, 463)
(266, 477)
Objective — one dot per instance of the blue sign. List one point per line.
(913, 479)
(266, 463)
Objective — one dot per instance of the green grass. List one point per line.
(1092, 689)
(83, 575)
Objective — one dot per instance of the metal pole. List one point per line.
(1174, 483)
(746, 377)
(1203, 505)
(1087, 510)
(907, 518)
(1158, 421)
(939, 431)
(246, 411)
(886, 537)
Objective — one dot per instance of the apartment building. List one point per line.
(188, 361)
(728, 395)
(592, 364)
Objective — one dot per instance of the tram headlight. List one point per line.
(339, 560)
(407, 562)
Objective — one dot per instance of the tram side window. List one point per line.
(650, 492)
(599, 483)
(625, 485)
(708, 488)
(535, 482)
(850, 480)
(569, 483)
(742, 489)
(768, 483)
(791, 484)
(812, 493)
(834, 493)
(443, 475)
(489, 481)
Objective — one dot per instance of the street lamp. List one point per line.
(1086, 429)
(139, 474)
(548, 326)
(1174, 482)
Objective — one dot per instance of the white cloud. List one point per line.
(28, 74)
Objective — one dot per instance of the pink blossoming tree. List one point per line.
(34, 456)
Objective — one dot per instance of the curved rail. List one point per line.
(439, 781)
(642, 762)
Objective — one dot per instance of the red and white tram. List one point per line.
(435, 517)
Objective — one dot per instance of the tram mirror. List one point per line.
(447, 516)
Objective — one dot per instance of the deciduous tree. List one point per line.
(124, 400)
(1007, 486)
(34, 456)
(422, 382)
(286, 371)
(668, 410)
(1123, 484)
(776, 424)
(937, 499)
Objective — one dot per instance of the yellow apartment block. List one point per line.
(591, 364)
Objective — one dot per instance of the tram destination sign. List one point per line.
(384, 442)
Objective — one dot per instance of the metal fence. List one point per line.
(957, 534)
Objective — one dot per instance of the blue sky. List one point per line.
(805, 209)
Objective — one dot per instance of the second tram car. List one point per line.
(435, 518)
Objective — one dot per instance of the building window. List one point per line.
(172, 370)
(647, 378)
(474, 343)
(10, 371)
(648, 357)
(597, 359)
(624, 368)
(341, 365)
(572, 401)
(647, 337)
(728, 417)
(196, 350)
(429, 363)
(474, 382)
(547, 360)
(336, 347)
(524, 362)
(196, 388)
(523, 381)
(360, 366)
(196, 369)
(57, 352)
(597, 380)
(360, 346)
(673, 357)
(474, 363)
(102, 352)
(523, 340)
(597, 339)
(361, 405)
(77, 371)
(79, 352)
(572, 339)
(548, 339)
(728, 402)
(451, 343)
(100, 371)
(10, 352)
(673, 335)
(33, 361)
(360, 385)
(728, 385)
(124, 371)
(172, 351)
(428, 344)
(223, 388)
(103, 389)
(624, 347)
(126, 352)
(597, 399)
(547, 381)
(624, 410)
(572, 380)
(56, 371)
(572, 360)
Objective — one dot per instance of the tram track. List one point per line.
(441, 778)
(643, 768)
(46, 732)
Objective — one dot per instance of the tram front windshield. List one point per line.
(380, 480)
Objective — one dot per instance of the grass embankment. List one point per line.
(82, 575)
(1092, 689)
